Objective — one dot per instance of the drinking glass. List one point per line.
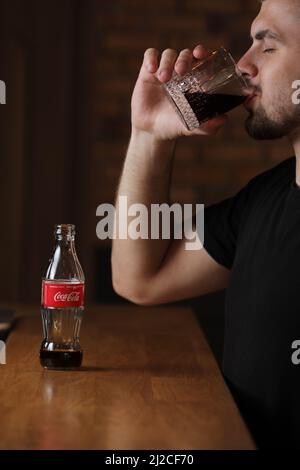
(214, 86)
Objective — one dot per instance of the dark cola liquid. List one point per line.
(65, 359)
(207, 106)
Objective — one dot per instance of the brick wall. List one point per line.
(206, 169)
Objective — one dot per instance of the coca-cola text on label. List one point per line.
(62, 295)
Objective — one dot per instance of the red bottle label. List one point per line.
(62, 295)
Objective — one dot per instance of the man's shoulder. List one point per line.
(279, 172)
(268, 182)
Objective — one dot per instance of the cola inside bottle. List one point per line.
(62, 304)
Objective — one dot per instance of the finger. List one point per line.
(166, 66)
(184, 62)
(200, 52)
(151, 60)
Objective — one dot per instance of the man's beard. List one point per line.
(261, 127)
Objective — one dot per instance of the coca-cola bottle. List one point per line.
(62, 304)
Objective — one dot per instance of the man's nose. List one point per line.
(247, 67)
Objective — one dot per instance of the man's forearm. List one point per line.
(145, 179)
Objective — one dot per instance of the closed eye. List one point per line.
(269, 51)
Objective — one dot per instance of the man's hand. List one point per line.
(152, 111)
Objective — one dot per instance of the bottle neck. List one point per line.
(64, 264)
(65, 242)
(64, 233)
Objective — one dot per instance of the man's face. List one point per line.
(270, 67)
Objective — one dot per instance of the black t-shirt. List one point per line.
(256, 234)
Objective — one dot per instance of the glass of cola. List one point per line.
(213, 87)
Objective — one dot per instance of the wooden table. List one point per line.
(149, 381)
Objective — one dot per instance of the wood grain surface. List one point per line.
(149, 381)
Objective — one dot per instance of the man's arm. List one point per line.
(157, 271)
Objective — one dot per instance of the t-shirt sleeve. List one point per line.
(222, 224)
(225, 221)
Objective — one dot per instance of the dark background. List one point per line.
(70, 67)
